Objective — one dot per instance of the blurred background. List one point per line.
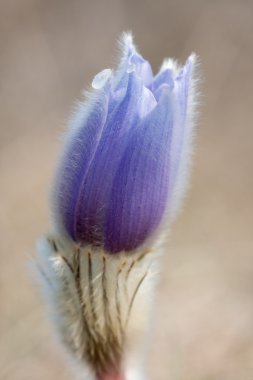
(49, 52)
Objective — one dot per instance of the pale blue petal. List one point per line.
(142, 68)
(78, 156)
(140, 188)
(94, 189)
(182, 85)
(163, 77)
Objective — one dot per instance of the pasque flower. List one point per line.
(124, 161)
(119, 183)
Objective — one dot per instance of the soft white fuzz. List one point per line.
(100, 304)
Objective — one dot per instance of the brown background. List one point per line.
(50, 50)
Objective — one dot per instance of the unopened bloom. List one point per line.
(124, 164)
(120, 179)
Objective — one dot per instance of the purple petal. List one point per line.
(78, 155)
(181, 132)
(140, 187)
(142, 68)
(133, 61)
(160, 90)
(163, 77)
(94, 189)
(147, 102)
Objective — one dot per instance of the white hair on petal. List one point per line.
(172, 64)
(126, 40)
(182, 179)
(125, 44)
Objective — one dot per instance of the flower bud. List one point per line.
(124, 164)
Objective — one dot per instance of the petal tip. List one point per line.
(101, 79)
(192, 61)
(126, 43)
(171, 64)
